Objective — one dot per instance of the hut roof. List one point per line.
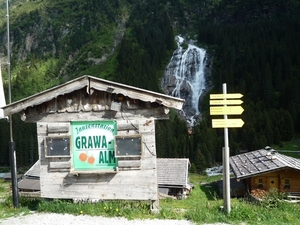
(172, 172)
(34, 171)
(31, 179)
(92, 83)
(261, 161)
(29, 184)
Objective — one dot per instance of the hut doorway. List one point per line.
(273, 182)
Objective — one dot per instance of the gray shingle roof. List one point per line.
(34, 171)
(258, 162)
(30, 184)
(172, 171)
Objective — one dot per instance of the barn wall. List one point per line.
(278, 177)
(136, 179)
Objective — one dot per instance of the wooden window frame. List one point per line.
(286, 183)
(139, 142)
(259, 181)
(46, 146)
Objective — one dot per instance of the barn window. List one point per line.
(128, 146)
(287, 183)
(260, 183)
(57, 146)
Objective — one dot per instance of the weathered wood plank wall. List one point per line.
(135, 180)
(280, 175)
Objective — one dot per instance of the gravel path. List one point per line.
(67, 219)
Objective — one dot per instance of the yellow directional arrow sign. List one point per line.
(225, 102)
(224, 110)
(222, 123)
(223, 96)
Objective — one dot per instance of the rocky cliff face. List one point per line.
(187, 77)
(58, 30)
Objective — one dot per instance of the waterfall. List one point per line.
(184, 77)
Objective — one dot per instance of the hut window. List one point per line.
(128, 146)
(57, 146)
(260, 183)
(287, 183)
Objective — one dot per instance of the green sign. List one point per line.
(93, 145)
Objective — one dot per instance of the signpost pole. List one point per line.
(12, 145)
(224, 100)
(226, 174)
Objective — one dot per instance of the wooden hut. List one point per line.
(96, 139)
(29, 185)
(267, 169)
(172, 176)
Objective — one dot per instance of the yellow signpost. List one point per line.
(230, 123)
(229, 110)
(226, 100)
(224, 96)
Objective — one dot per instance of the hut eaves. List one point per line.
(92, 83)
(258, 162)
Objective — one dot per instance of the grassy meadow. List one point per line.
(203, 205)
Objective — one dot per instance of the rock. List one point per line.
(187, 76)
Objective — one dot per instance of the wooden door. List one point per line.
(273, 183)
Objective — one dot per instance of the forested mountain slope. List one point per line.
(254, 45)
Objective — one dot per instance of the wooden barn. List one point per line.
(96, 139)
(267, 169)
(29, 185)
(172, 177)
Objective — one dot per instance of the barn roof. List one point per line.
(31, 179)
(30, 184)
(172, 172)
(261, 161)
(92, 83)
(34, 171)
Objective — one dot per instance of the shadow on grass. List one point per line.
(211, 190)
(30, 203)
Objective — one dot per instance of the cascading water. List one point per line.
(184, 77)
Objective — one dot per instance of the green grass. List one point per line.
(6, 206)
(202, 206)
(4, 189)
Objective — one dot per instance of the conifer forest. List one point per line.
(253, 45)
